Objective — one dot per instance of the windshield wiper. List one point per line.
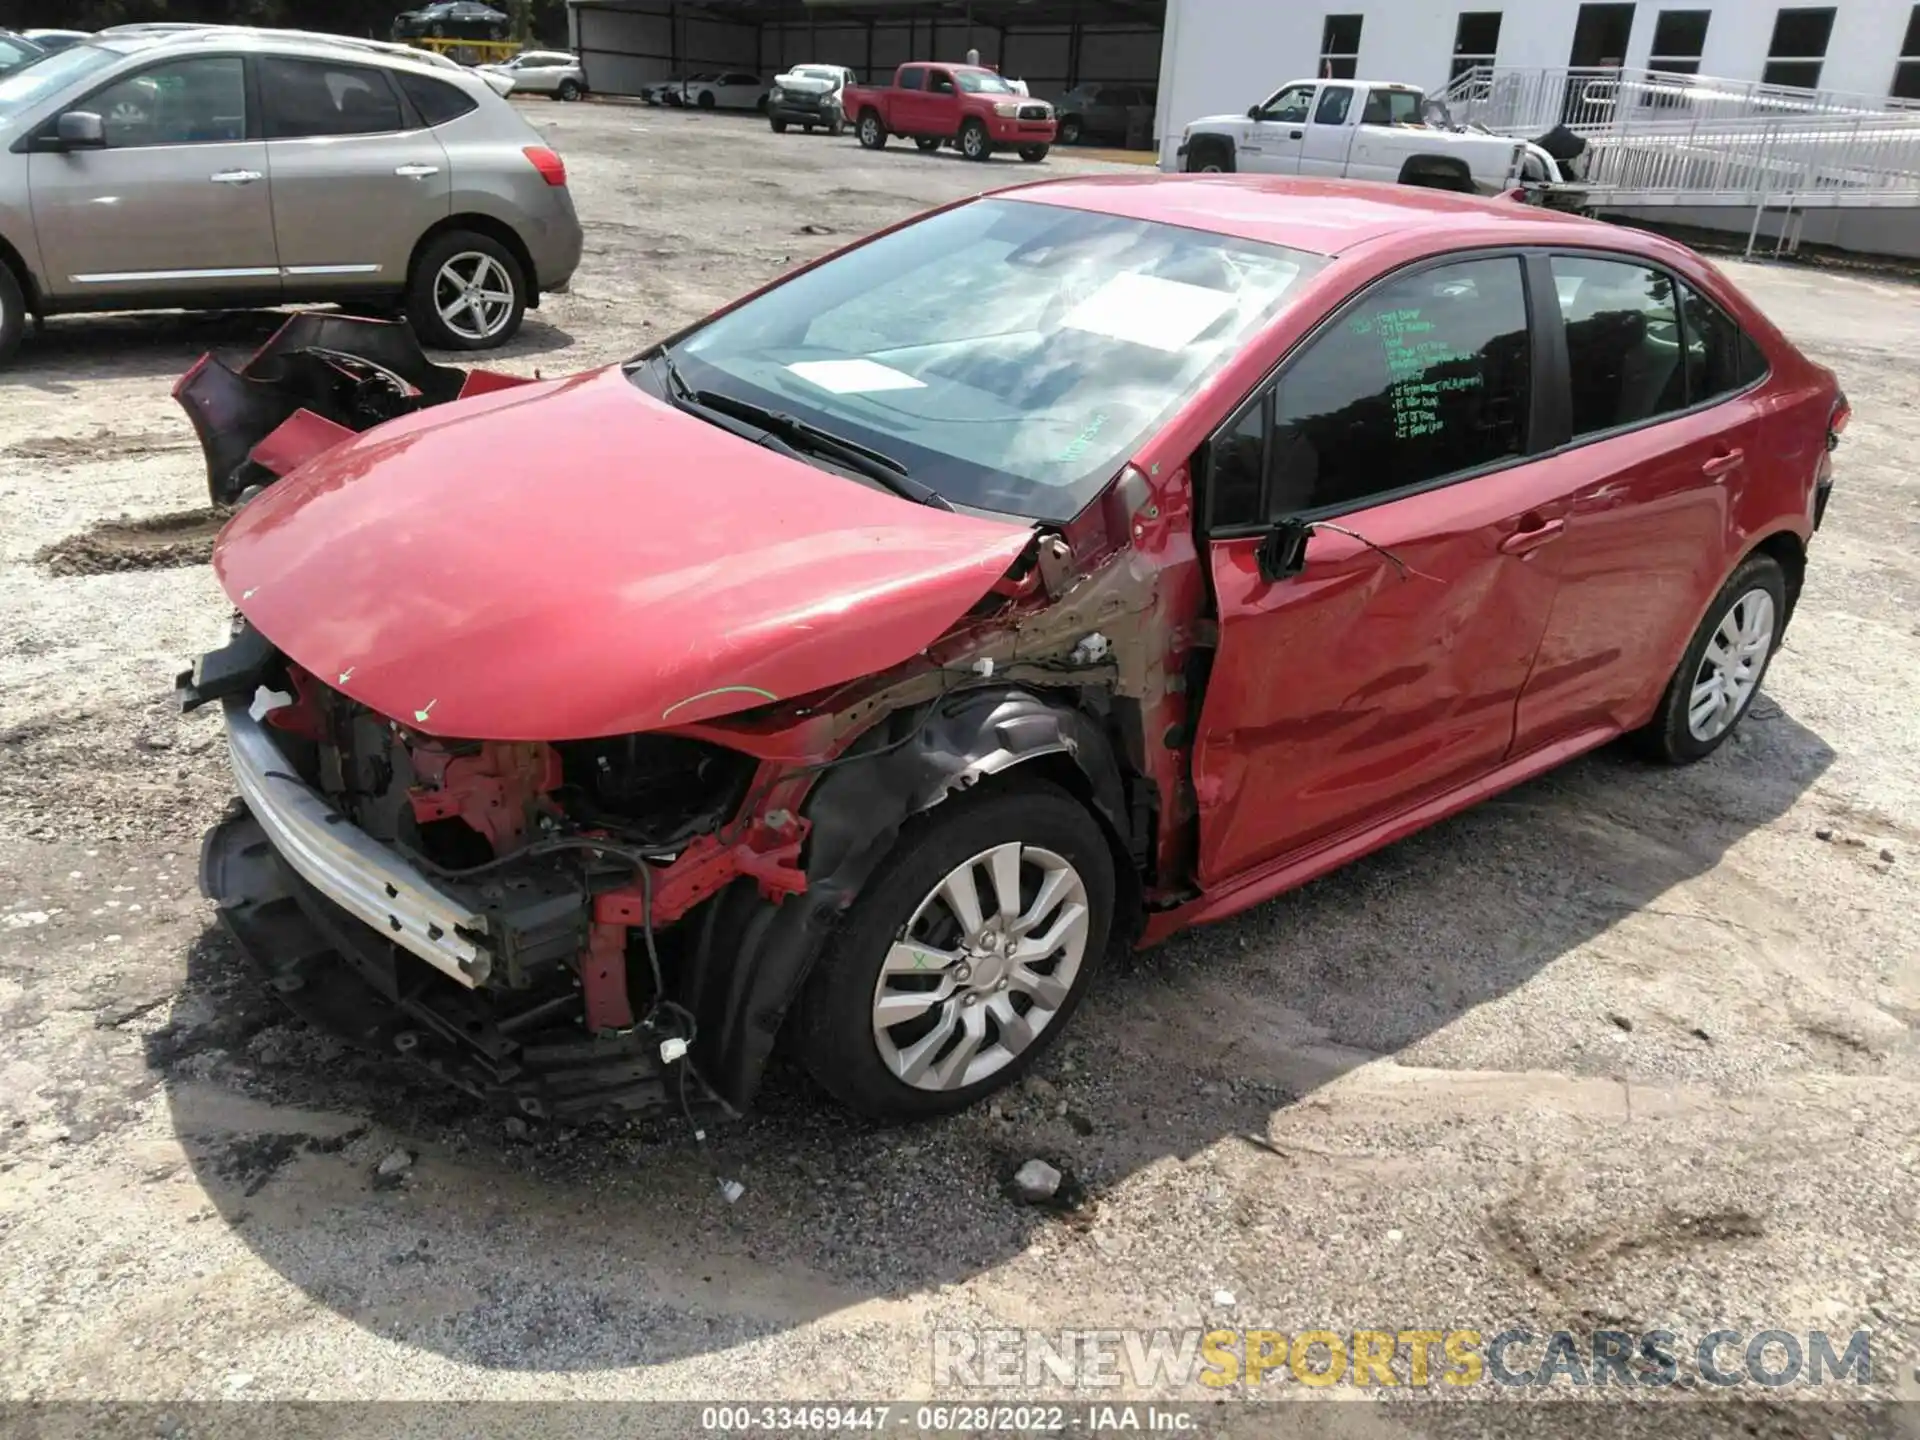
(800, 436)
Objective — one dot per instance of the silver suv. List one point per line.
(225, 167)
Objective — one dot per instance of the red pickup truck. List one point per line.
(967, 106)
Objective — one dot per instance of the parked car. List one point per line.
(51, 40)
(1104, 112)
(542, 72)
(730, 90)
(17, 52)
(958, 661)
(967, 106)
(139, 172)
(453, 19)
(1372, 130)
(809, 96)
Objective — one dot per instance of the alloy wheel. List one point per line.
(1731, 667)
(980, 970)
(474, 295)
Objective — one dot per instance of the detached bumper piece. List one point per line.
(319, 380)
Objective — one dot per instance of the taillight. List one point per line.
(1837, 422)
(552, 168)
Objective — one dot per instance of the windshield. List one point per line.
(979, 82)
(1010, 355)
(817, 72)
(48, 75)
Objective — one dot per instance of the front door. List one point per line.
(1646, 483)
(175, 205)
(1386, 671)
(937, 112)
(354, 188)
(1274, 136)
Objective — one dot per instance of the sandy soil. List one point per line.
(1625, 1048)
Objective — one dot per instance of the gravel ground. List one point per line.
(1625, 1048)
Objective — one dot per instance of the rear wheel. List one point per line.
(873, 134)
(963, 957)
(707, 102)
(467, 292)
(13, 313)
(1716, 680)
(569, 90)
(1033, 154)
(974, 142)
(928, 144)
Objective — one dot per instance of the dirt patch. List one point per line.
(88, 449)
(159, 542)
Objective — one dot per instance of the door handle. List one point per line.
(416, 172)
(1725, 463)
(1293, 134)
(234, 177)
(1532, 537)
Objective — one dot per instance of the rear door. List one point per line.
(1274, 139)
(1329, 133)
(906, 101)
(357, 178)
(1660, 430)
(1386, 672)
(176, 205)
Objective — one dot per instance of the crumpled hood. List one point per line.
(574, 559)
(803, 84)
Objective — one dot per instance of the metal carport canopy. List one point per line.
(999, 14)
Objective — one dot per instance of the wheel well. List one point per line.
(10, 257)
(494, 230)
(1212, 144)
(1437, 172)
(1786, 548)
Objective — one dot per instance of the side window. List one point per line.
(912, 78)
(1290, 106)
(939, 82)
(1334, 104)
(1427, 376)
(437, 101)
(318, 97)
(1721, 357)
(189, 102)
(1623, 342)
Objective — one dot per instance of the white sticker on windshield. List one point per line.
(854, 377)
(1146, 310)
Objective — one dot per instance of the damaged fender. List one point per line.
(320, 379)
(751, 957)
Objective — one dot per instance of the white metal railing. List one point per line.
(1663, 139)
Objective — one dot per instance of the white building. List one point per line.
(1224, 55)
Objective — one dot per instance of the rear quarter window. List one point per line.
(437, 101)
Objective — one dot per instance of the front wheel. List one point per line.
(779, 126)
(466, 292)
(963, 957)
(873, 135)
(1070, 130)
(1716, 680)
(837, 126)
(13, 313)
(1033, 154)
(707, 102)
(974, 143)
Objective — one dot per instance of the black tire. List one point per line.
(975, 143)
(570, 90)
(760, 105)
(807, 128)
(1034, 154)
(1669, 736)
(1069, 130)
(1209, 157)
(928, 144)
(837, 126)
(424, 315)
(13, 313)
(780, 126)
(834, 1023)
(873, 134)
(707, 102)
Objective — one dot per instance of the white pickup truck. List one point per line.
(1371, 130)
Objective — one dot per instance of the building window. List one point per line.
(1679, 37)
(1798, 49)
(1906, 74)
(1340, 47)
(1476, 38)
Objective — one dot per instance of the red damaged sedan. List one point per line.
(1060, 568)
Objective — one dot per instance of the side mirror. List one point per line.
(1284, 551)
(80, 130)
(1253, 112)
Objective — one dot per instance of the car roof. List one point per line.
(1325, 217)
(132, 39)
